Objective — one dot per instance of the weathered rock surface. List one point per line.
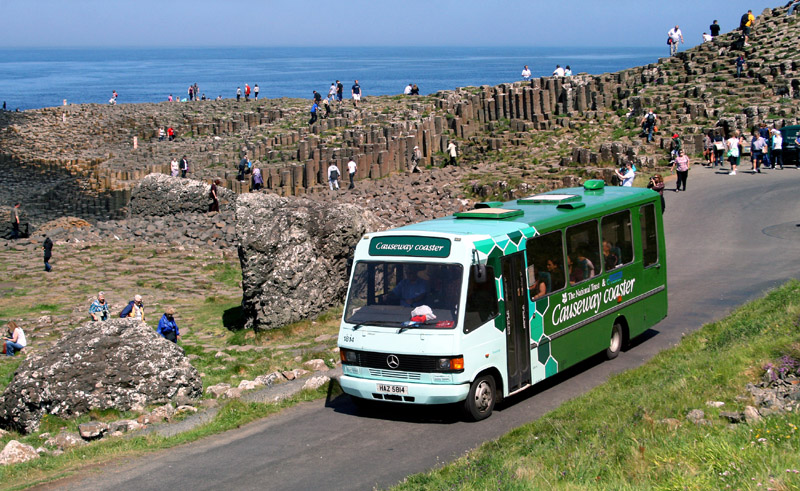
(16, 452)
(162, 195)
(121, 364)
(294, 255)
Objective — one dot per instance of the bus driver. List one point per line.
(411, 290)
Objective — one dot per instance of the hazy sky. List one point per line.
(108, 23)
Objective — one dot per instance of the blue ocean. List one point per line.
(33, 78)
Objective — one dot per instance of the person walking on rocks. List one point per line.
(416, 156)
(15, 221)
(255, 91)
(452, 152)
(174, 167)
(184, 167)
(258, 180)
(15, 339)
(167, 327)
(317, 97)
(740, 63)
(134, 309)
(526, 73)
(681, 165)
(238, 94)
(98, 311)
(214, 206)
(246, 92)
(242, 167)
(314, 108)
(649, 124)
(333, 176)
(191, 92)
(47, 248)
(170, 133)
(339, 91)
(674, 36)
(327, 107)
(747, 22)
(355, 92)
(161, 134)
(351, 171)
(714, 29)
(332, 92)
(732, 144)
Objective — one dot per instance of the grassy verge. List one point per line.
(618, 436)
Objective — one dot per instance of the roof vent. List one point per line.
(489, 213)
(548, 199)
(594, 184)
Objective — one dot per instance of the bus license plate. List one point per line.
(392, 389)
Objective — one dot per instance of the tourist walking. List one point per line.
(246, 92)
(339, 91)
(719, 149)
(47, 248)
(674, 36)
(681, 166)
(167, 327)
(15, 339)
(258, 181)
(649, 124)
(214, 206)
(327, 107)
(714, 29)
(98, 310)
(451, 151)
(732, 144)
(740, 63)
(255, 91)
(757, 147)
(184, 166)
(15, 221)
(745, 25)
(657, 184)
(416, 156)
(351, 171)
(675, 146)
(526, 73)
(170, 133)
(317, 97)
(333, 176)
(777, 149)
(708, 148)
(191, 92)
(355, 92)
(161, 134)
(174, 167)
(314, 108)
(238, 93)
(332, 92)
(134, 309)
(242, 168)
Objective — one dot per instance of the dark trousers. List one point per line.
(352, 176)
(777, 158)
(214, 206)
(171, 336)
(313, 118)
(14, 230)
(183, 173)
(682, 175)
(47, 266)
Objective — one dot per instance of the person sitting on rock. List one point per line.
(15, 339)
(98, 311)
(167, 327)
(134, 309)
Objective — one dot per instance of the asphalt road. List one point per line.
(729, 239)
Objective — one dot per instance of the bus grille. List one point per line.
(394, 374)
(407, 363)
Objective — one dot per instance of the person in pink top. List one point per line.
(681, 166)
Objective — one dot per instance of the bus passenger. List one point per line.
(586, 264)
(411, 290)
(609, 258)
(575, 272)
(536, 285)
(556, 275)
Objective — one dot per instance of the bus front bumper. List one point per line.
(410, 393)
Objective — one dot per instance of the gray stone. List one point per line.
(92, 430)
(751, 414)
(16, 452)
(294, 255)
(217, 390)
(732, 416)
(316, 382)
(65, 440)
(119, 364)
(162, 195)
(316, 365)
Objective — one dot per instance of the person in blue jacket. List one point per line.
(167, 327)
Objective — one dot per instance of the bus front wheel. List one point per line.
(615, 344)
(481, 398)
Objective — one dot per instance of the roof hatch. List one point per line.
(489, 213)
(548, 199)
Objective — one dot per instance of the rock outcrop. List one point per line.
(121, 364)
(294, 255)
(161, 195)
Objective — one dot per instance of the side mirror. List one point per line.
(479, 273)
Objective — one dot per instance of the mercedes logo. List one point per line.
(393, 361)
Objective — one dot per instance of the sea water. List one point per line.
(33, 78)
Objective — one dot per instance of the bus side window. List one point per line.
(647, 219)
(481, 301)
(545, 254)
(583, 251)
(617, 240)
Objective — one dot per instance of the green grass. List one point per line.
(615, 437)
(226, 272)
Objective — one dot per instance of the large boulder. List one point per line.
(294, 255)
(162, 195)
(119, 364)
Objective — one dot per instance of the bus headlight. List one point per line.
(348, 356)
(450, 364)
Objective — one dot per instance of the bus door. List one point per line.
(515, 293)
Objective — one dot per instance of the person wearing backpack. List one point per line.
(745, 24)
(333, 176)
(649, 124)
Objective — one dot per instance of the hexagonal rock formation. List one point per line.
(121, 364)
(162, 195)
(294, 255)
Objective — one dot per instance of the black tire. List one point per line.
(615, 342)
(481, 398)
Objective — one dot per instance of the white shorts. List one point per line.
(356, 97)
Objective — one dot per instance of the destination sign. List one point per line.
(409, 246)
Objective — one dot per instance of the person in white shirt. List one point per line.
(351, 170)
(333, 176)
(568, 72)
(707, 37)
(15, 340)
(626, 177)
(526, 73)
(674, 35)
(407, 90)
(558, 72)
(173, 167)
(332, 92)
(777, 149)
(732, 144)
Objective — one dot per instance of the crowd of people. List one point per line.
(99, 311)
(675, 36)
(558, 72)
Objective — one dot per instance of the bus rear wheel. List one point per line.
(615, 344)
(481, 398)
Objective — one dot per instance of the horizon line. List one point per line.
(233, 46)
